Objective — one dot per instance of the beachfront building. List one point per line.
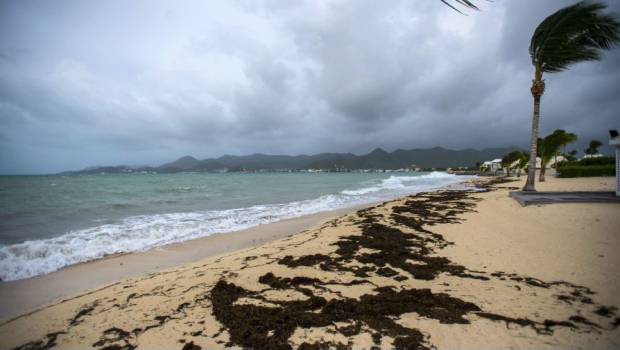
(491, 166)
(494, 166)
(615, 141)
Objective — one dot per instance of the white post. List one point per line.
(617, 170)
(615, 141)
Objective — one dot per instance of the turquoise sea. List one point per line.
(48, 222)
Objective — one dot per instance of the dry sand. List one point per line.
(447, 269)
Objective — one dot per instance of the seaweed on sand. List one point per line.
(391, 247)
(380, 249)
(47, 343)
(262, 327)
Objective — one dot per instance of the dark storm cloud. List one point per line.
(145, 82)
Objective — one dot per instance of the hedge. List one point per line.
(588, 162)
(585, 171)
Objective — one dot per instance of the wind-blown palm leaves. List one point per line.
(573, 34)
(571, 156)
(465, 3)
(515, 160)
(508, 161)
(593, 147)
(549, 147)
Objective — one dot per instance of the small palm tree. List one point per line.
(593, 147)
(573, 34)
(508, 162)
(523, 161)
(564, 139)
(571, 156)
(549, 147)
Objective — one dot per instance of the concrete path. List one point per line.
(528, 198)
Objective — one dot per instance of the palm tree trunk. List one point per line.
(543, 168)
(538, 88)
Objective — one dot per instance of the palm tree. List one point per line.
(573, 34)
(549, 147)
(571, 156)
(593, 147)
(510, 159)
(523, 161)
(563, 138)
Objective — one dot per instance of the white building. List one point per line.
(492, 165)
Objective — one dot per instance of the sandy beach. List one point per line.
(445, 269)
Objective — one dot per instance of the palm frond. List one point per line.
(551, 144)
(465, 3)
(573, 34)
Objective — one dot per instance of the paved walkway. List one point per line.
(528, 198)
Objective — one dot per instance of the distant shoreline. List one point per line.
(421, 159)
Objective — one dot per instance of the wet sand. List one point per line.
(466, 269)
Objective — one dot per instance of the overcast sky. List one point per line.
(129, 82)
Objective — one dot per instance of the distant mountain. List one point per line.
(437, 157)
(423, 158)
(187, 162)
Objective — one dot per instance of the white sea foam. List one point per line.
(138, 233)
(395, 183)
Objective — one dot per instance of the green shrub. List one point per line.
(597, 161)
(588, 162)
(585, 171)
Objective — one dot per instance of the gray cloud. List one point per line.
(138, 83)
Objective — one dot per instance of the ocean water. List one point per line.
(48, 222)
